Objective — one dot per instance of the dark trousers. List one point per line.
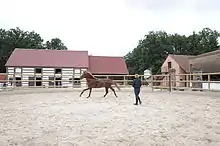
(136, 92)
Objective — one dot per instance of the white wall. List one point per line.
(10, 74)
(77, 73)
(213, 86)
(83, 81)
(67, 73)
(17, 72)
(26, 73)
(46, 73)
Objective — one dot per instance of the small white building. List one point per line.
(147, 73)
(47, 67)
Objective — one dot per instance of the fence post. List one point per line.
(14, 79)
(73, 81)
(186, 81)
(170, 82)
(209, 81)
(170, 72)
(54, 80)
(152, 82)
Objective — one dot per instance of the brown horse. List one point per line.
(93, 82)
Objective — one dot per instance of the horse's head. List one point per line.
(86, 75)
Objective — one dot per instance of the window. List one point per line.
(38, 70)
(51, 82)
(18, 70)
(18, 81)
(70, 80)
(58, 81)
(31, 81)
(38, 81)
(205, 77)
(214, 77)
(11, 81)
(58, 71)
(169, 65)
(77, 81)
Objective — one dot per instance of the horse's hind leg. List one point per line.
(113, 91)
(106, 91)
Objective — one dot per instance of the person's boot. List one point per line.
(136, 102)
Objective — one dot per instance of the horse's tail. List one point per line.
(116, 86)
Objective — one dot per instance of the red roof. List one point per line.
(65, 58)
(2, 77)
(107, 65)
(183, 61)
(48, 58)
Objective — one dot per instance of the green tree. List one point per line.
(22, 39)
(179, 44)
(5, 50)
(208, 40)
(151, 52)
(55, 44)
(17, 38)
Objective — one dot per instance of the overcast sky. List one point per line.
(108, 27)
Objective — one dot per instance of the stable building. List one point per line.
(189, 64)
(57, 67)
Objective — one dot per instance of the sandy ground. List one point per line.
(62, 118)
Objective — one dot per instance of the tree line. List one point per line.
(153, 49)
(17, 38)
(150, 52)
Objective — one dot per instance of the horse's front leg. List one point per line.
(90, 90)
(106, 91)
(83, 91)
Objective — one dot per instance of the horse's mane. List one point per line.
(91, 75)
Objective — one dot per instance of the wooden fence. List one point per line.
(196, 81)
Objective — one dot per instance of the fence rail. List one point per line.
(195, 81)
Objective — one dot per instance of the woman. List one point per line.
(137, 86)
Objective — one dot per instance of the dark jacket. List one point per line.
(137, 83)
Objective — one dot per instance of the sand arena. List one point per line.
(58, 117)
